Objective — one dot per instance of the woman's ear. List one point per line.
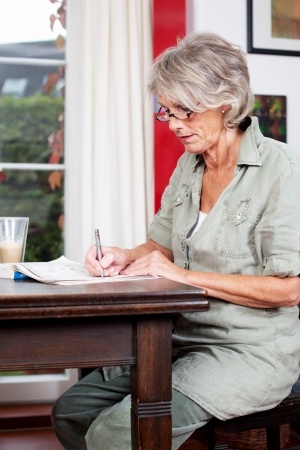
(224, 108)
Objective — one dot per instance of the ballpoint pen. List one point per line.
(98, 247)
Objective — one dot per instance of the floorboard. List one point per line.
(43, 439)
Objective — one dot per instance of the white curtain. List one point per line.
(109, 124)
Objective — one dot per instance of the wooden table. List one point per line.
(91, 325)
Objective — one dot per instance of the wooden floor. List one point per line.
(18, 433)
(27, 427)
(45, 439)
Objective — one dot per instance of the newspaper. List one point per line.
(61, 271)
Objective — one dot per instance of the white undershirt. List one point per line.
(200, 220)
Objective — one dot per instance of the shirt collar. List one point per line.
(252, 138)
(248, 153)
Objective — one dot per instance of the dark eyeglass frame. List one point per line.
(163, 119)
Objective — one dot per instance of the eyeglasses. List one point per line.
(164, 114)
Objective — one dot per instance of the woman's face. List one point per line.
(198, 133)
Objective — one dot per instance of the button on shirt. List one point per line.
(235, 360)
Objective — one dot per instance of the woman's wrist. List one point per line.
(128, 257)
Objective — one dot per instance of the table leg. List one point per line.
(151, 384)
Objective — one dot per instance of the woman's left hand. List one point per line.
(155, 263)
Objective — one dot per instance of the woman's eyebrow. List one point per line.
(175, 105)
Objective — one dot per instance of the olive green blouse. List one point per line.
(235, 360)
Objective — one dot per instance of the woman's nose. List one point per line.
(175, 124)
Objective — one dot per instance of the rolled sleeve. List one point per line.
(283, 265)
(278, 233)
(160, 234)
(161, 228)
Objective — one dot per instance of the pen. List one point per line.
(98, 247)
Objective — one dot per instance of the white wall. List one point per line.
(270, 74)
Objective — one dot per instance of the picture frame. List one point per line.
(271, 32)
(271, 111)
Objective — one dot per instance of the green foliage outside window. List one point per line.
(25, 127)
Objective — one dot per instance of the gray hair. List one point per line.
(204, 71)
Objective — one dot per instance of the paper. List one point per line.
(6, 271)
(63, 271)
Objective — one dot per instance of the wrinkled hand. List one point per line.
(113, 261)
(155, 263)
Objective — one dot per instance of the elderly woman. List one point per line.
(229, 222)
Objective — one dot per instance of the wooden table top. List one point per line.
(31, 299)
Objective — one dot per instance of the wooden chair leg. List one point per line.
(218, 435)
(273, 437)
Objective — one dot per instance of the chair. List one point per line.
(219, 432)
(288, 411)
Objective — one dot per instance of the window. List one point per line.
(15, 87)
(32, 65)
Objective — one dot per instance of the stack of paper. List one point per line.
(61, 271)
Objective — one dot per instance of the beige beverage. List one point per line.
(11, 252)
(13, 236)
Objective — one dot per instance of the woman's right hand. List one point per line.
(114, 260)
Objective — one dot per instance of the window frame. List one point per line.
(40, 387)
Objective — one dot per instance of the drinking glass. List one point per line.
(13, 236)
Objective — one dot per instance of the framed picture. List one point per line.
(273, 27)
(271, 112)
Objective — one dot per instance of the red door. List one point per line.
(169, 23)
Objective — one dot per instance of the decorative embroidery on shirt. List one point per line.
(239, 213)
(181, 194)
(242, 242)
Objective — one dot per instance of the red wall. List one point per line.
(169, 22)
